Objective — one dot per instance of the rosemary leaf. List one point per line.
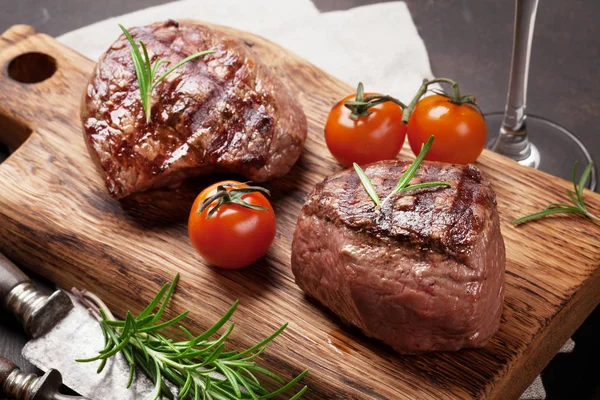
(285, 388)
(582, 182)
(546, 212)
(251, 375)
(212, 330)
(231, 378)
(412, 169)
(154, 302)
(299, 394)
(161, 309)
(268, 373)
(165, 324)
(158, 380)
(107, 348)
(245, 383)
(131, 375)
(558, 205)
(366, 183)
(185, 390)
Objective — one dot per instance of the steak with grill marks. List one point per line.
(423, 273)
(222, 112)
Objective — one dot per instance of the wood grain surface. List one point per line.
(57, 219)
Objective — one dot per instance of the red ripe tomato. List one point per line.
(459, 130)
(378, 136)
(234, 236)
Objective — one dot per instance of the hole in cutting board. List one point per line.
(3, 153)
(12, 135)
(31, 67)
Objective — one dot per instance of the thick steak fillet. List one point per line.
(426, 272)
(221, 112)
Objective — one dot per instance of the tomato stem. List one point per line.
(456, 97)
(231, 196)
(361, 105)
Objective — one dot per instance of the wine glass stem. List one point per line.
(514, 114)
(512, 140)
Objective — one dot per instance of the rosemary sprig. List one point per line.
(199, 367)
(402, 185)
(366, 183)
(146, 71)
(578, 206)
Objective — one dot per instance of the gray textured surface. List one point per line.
(84, 337)
(470, 41)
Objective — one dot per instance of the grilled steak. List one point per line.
(423, 273)
(222, 112)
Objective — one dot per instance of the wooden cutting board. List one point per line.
(57, 219)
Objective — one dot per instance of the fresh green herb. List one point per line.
(578, 206)
(402, 185)
(198, 367)
(364, 179)
(232, 196)
(146, 71)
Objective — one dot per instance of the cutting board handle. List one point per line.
(37, 73)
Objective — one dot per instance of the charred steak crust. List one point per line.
(222, 112)
(426, 272)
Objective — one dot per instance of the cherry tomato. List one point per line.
(459, 130)
(234, 236)
(371, 138)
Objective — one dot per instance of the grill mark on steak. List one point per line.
(185, 124)
(413, 217)
(220, 112)
(460, 232)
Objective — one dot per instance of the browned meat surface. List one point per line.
(424, 273)
(222, 112)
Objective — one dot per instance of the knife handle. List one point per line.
(36, 311)
(10, 276)
(7, 367)
(19, 385)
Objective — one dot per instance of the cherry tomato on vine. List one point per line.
(460, 130)
(375, 137)
(231, 224)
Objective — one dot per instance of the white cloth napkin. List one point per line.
(377, 44)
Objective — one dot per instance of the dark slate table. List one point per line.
(469, 41)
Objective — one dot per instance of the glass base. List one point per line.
(554, 149)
